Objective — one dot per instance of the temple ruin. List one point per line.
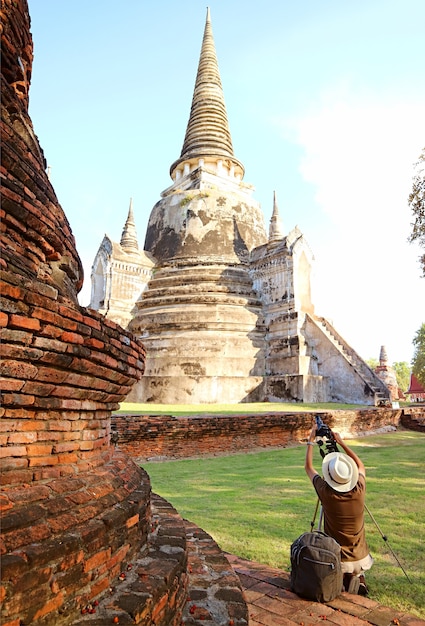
(223, 304)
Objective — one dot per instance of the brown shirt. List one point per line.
(344, 517)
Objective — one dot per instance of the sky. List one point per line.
(326, 107)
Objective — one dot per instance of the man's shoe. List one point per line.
(362, 590)
(354, 585)
(351, 583)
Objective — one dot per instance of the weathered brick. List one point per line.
(11, 384)
(11, 291)
(50, 344)
(25, 495)
(43, 460)
(19, 321)
(18, 369)
(97, 559)
(25, 536)
(26, 437)
(51, 605)
(37, 388)
(69, 337)
(12, 566)
(13, 451)
(15, 336)
(17, 399)
(18, 352)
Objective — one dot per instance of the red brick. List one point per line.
(27, 437)
(132, 521)
(11, 291)
(39, 449)
(97, 559)
(50, 344)
(72, 338)
(17, 399)
(11, 384)
(32, 424)
(14, 476)
(19, 321)
(94, 343)
(68, 459)
(51, 605)
(51, 331)
(73, 314)
(62, 522)
(3, 319)
(36, 388)
(16, 336)
(18, 369)
(37, 461)
(13, 451)
(99, 586)
(25, 536)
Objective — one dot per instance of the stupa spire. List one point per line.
(276, 228)
(129, 234)
(383, 356)
(207, 139)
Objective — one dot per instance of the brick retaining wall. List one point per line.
(170, 437)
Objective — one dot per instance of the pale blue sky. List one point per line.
(326, 105)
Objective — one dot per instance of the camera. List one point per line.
(325, 438)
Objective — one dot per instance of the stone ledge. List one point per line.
(181, 578)
(215, 592)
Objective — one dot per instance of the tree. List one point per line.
(417, 205)
(372, 362)
(402, 372)
(418, 361)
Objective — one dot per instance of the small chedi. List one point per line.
(222, 305)
(388, 375)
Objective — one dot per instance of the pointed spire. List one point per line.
(207, 136)
(383, 357)
(129, 234)
(276, 228)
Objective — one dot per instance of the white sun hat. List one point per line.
(340, 471)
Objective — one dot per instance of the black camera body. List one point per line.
(325, 438)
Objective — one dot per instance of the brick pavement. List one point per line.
(272, 603)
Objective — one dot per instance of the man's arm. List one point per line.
(308, 466)
(349, 452)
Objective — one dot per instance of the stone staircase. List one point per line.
(380, 391)
(181, 577)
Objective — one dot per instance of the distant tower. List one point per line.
(129, 234)
(387, 374)
(276, 229)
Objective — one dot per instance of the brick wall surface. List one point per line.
(169, 437)
(74, 509)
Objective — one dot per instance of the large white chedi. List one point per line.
(222, 304)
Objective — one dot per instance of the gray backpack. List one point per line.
(316, 567)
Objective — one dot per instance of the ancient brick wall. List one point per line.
(166, 436)
(74, 509)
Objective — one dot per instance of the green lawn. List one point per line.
(249, 407)
(255, 505)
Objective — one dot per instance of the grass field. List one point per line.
(228, 409)
(255, 505)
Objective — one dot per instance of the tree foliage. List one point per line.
(417, 205)
(418, 361)
(402, 372)
(372, 362)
